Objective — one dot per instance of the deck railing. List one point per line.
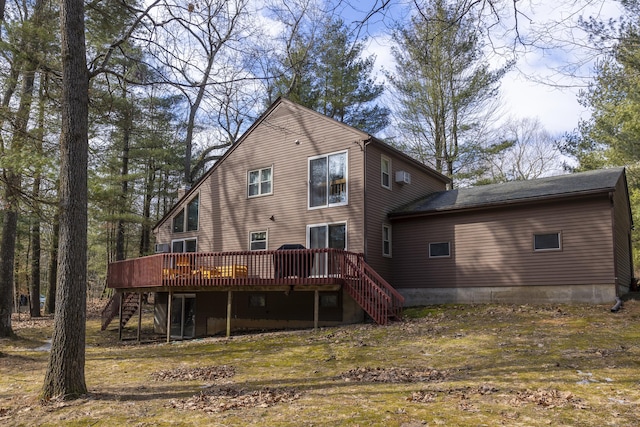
(259, 268)
(262, 268)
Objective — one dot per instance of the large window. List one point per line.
(547, 242)
(328, 180)
(386, 240)
(189, 220)
(260, 182)
(257, 240)
(192, 214)
(385, 167)
(439, 250)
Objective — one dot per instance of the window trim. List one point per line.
(553, 249)
(184, 246)
(260, 182)
(388, 254)
(440, 256)
(184, 211)
(266, 239)
(384, 158)
(328, 184)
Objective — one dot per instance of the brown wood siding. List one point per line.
(380, 201)
(228, 215)
(494, 247)
(622, 224)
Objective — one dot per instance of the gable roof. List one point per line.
(577, 184)
(290, 104)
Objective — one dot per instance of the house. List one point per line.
(295, 177)
(306, 221)
(558, 239)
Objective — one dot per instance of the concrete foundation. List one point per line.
(591, 294)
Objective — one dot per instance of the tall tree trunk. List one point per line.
(7, 252)
(145, 235)
(65, 371)
(50, 302)
(34, 288)
(127, 124)
(36, 244)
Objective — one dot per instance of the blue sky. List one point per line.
(540, 85)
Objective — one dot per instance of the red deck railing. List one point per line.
(290, 267)
(256, 268)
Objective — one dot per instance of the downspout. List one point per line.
(614, 241)
(365, 224)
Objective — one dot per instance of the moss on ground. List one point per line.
(456, 365)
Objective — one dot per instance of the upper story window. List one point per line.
(189, 220)
(260, 182)
(386, 240)
(328, 180)
(547, 242)
(257, 240)
(385, 167)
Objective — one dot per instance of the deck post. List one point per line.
(139, 314)
(229, 300)
(120, 316)
(316, 309)
(169, 303)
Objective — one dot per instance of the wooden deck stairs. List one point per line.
(374, 294)
(130, 306)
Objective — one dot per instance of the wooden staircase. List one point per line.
(130, 305)
(374, 294)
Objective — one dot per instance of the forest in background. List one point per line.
(172, 85)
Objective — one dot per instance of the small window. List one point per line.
(258, 240)
(546, 242)
(385, 166)
(192, 214)
(439, 250)
(329, 300)
(257, 300)
(260, 182)
(386, 240)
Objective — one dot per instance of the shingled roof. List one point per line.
(603, 180)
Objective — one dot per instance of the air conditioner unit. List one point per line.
(162, 248)
(403, 177)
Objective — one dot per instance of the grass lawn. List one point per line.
(450, 365)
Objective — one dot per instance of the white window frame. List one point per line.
(328, 204)
(383, 160)
(184, 246)
(559, 248)
(386, 238)
(266, 239)
(260, 182)
(440, 256)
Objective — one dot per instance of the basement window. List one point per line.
(547, 242)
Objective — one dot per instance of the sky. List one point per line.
(545, 83)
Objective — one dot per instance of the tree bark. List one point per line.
(50, 302)
(65, 372)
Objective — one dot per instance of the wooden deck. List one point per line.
(276, 268)
(292, 269)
